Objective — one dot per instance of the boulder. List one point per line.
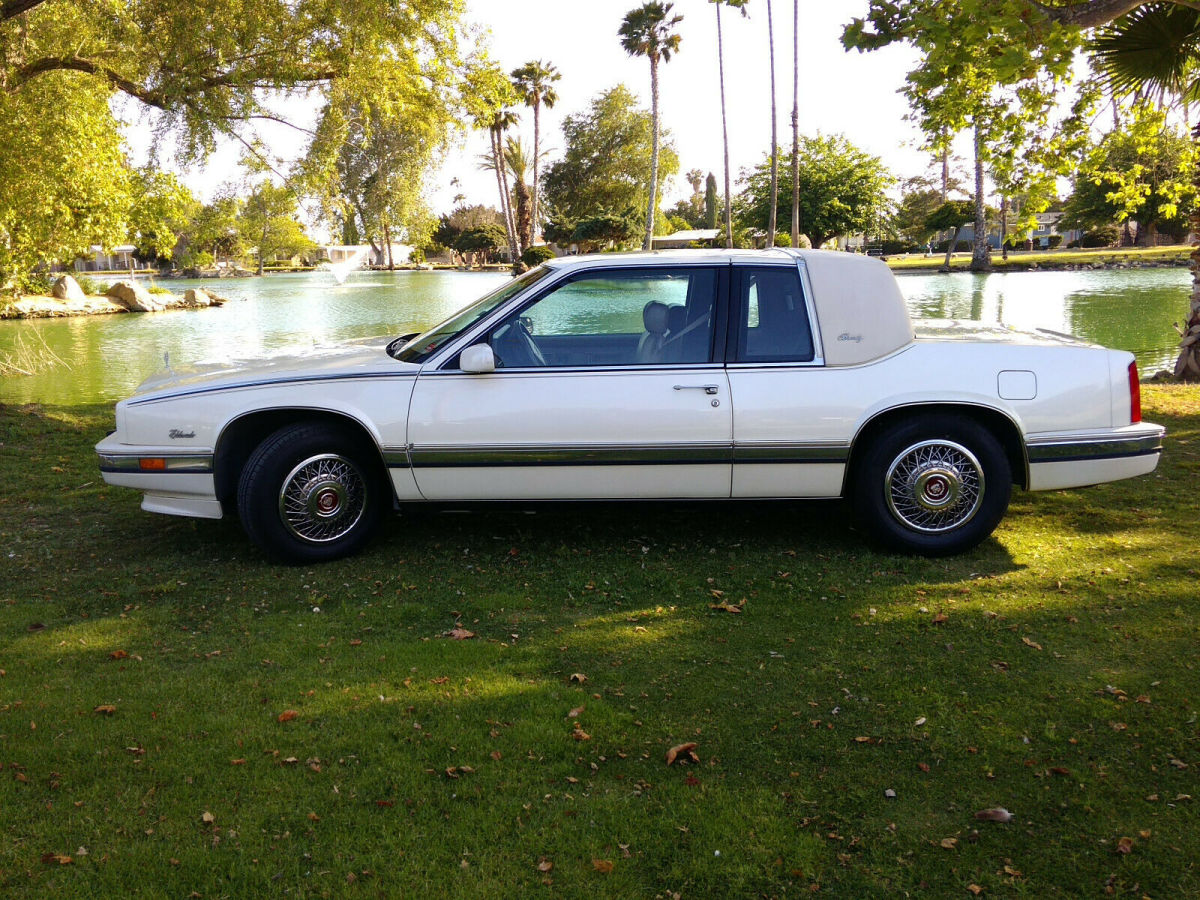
(67, 288)
(134, 297)
(197, 297)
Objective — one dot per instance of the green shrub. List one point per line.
(417, 256)
(1054, 241)
(90, 285)
(1105, 236)
(535, 256)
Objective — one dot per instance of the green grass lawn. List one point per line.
(178, 717)
(1018, 261)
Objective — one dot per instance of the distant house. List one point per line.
(366, 254)
(118, 259)
(681, 240)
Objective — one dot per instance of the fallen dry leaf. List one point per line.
(975, 889)
(1060, 770)
(864, 739)
(687, 751)
(579, 734)
(997, 814)
(238, 762)
(1028, 643)
(726, 606)
(207, 818)
(1125, 845)
(924, 767)
(574, 714)
(119, 654)
(106, 709)
(940, 618)
(602, 865)
(61, 859)
(458, 633)
(578, 678)
(287, 715)
(949, 843)
(544, 865)
(1178, 763)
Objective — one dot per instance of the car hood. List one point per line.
(353, 359)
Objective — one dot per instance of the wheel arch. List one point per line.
(243, 434)
(1005, 430)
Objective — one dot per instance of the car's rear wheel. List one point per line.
(311, 493)
(934, 484)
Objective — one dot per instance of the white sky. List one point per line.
(849, 93)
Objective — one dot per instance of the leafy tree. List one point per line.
(201, 69)
(485, 240)
(215, 230)
(980, 71)
(534, 81)
(607, 155)
(374, 148)
(919, 197)
(647, 31)
(267, 222)
(953, 214)
(162, 208)
(596, 232)
(535, 256)
(843, 190)
(1143, 172)
(465, 218)
(64, 184)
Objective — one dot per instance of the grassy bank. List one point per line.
(1051, 259)
(178, 716)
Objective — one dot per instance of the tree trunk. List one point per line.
(648, 243)
(387, 242)
(774, 134)
(510, 227)
(945, 173)
(537, 134)
(981, 255)
(1004, 228)
(795, 123)
(950, 249)
(724, 132)
(1187, 367)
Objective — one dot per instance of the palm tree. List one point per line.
(497, 124)
(1154, 51)
(695, 177)
(795, 123)
(646, 31)
(740, 5)
(774, 134)
(535, 82)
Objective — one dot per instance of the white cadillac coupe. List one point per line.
(690, 375)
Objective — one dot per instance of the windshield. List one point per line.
(425, 345)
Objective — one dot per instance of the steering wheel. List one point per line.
(516, 347)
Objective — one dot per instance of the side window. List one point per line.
(614, 317)
(773, 324)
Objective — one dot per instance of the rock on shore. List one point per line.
(124, 296)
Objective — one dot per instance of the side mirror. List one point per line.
(477, 360)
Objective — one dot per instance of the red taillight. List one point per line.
(1135, 395)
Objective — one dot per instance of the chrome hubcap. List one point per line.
(322, 498)
(934, 486)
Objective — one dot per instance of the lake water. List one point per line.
(109, 355)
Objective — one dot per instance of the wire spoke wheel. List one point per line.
(934, 486)
(322, 498)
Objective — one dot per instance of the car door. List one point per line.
(605, 388)
(787, 443)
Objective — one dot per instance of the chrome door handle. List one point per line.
(707, 388)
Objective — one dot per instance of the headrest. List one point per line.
(655, 315)
(676, 318)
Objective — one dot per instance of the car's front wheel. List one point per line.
(311, 493)
(934, 485)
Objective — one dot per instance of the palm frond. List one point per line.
(1154, 50)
